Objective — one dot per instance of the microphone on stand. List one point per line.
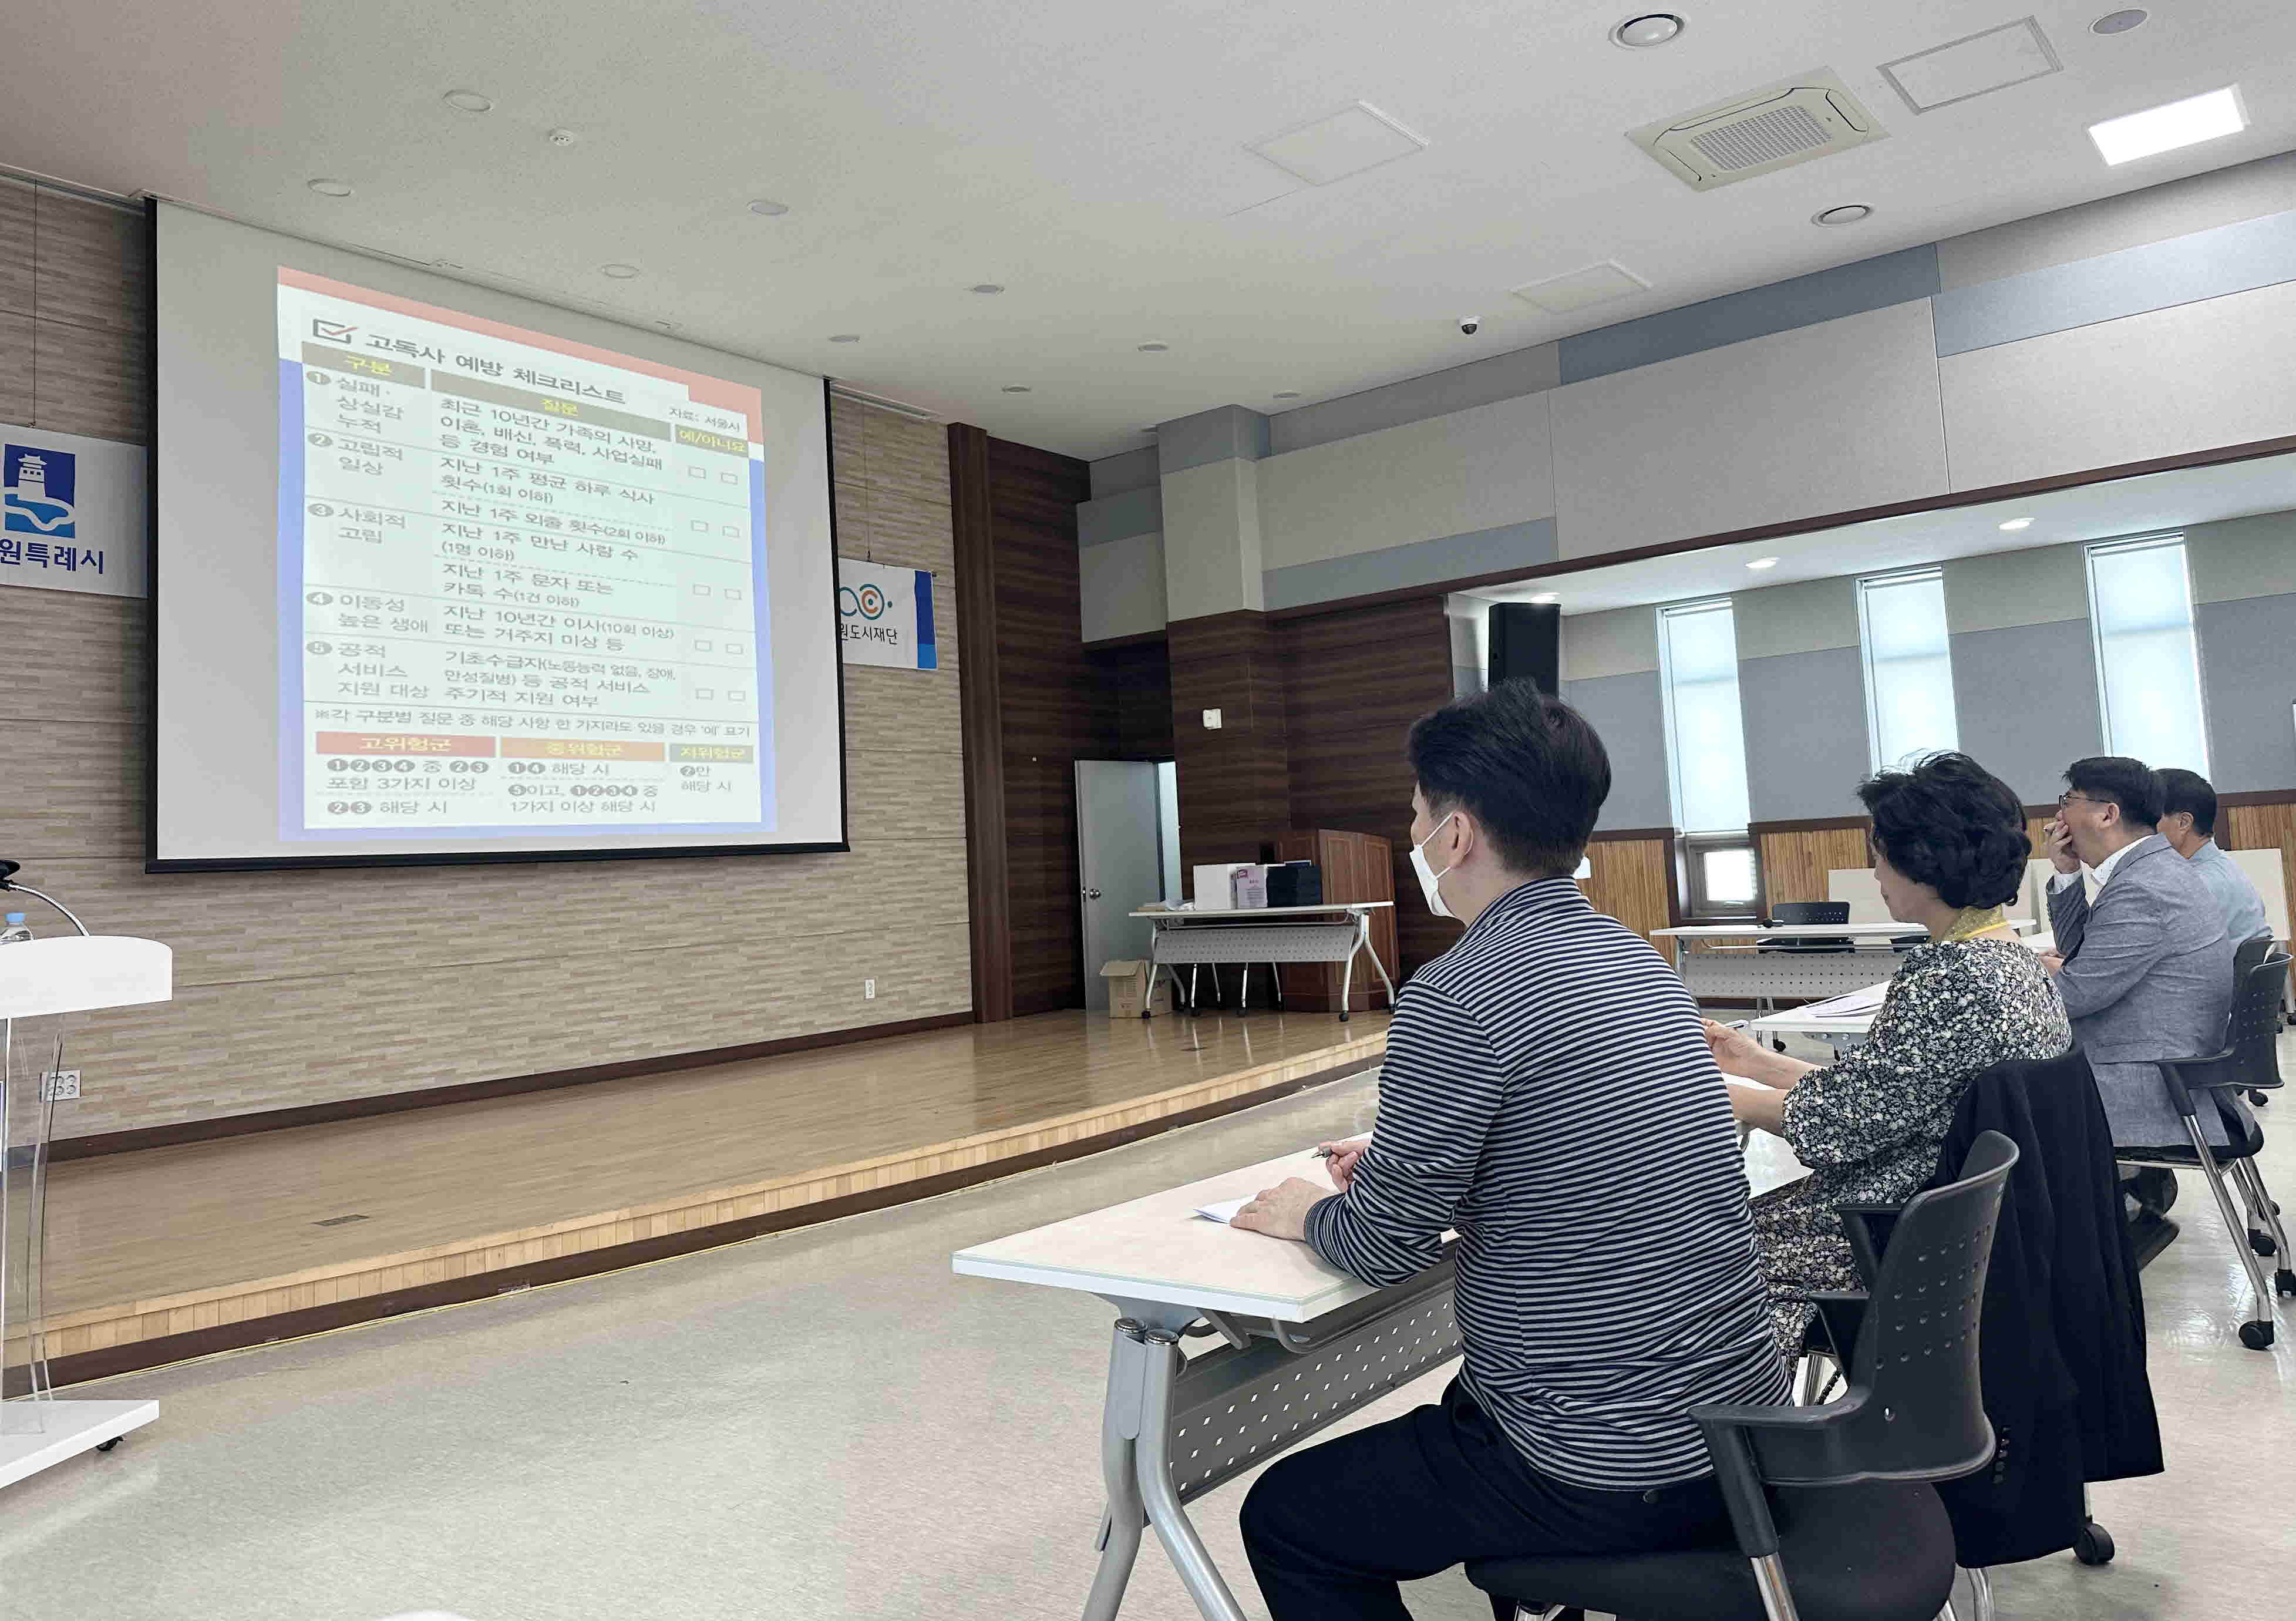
(8, 871)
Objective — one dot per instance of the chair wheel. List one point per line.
(2262, 1244)
(2256, 1336)
(2284, 1282)
(105, 1446)
(2259, 1100)
(2094, 1545)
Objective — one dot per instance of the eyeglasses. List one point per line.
(2075, 799)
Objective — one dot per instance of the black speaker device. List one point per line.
(1527, 645)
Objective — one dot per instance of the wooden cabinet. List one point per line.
(1356, 866)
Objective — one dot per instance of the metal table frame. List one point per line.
(1241, 936)
(1176, 1427)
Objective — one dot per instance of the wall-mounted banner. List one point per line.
(885, 616)
(72, 514)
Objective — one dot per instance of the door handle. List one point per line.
(1092, 894)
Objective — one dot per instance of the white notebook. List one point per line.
(1223, 1211)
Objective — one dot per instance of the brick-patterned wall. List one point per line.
(297, 988)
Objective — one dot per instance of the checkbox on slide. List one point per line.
(697, 473)
(701, 590)
(733, 533)
(736, 646)
(733, 593)
(700, 526)
(730, 478)
(700, 645)
(737, 695)
(705, 692)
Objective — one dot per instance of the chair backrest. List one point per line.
(1915, 1410)
(2250, 1032)
(1810, 912)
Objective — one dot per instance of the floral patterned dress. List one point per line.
(1870, 1124)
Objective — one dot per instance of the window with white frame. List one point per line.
(1706, 755)
(1909, 667)
(2148, 665)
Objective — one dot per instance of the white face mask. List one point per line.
(1428, 886)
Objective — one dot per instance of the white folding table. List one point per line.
(1844, 1020)
(1744, 960)
(1197, 935)
(1299, 1347)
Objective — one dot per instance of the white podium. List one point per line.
(41, 980)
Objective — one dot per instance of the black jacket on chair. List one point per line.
(2063, 1324)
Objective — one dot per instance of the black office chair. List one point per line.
(1833, 1513)
(2247, 1063)
(2250, 952)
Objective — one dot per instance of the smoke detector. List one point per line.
(1813, 115)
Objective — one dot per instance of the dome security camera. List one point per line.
(1468, 326)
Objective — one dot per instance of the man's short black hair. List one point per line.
(1526, 766)
(2182, 790)
(2116, 779)
(1949, 823)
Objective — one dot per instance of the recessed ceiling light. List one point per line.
(1650, 29)
(620, 273)
(770, 208)
(1287, 393)
(562, 138)
(1547, 597)
(1016, 388)
(2119, 22)
(987, 287)
(470, 100)
(845, 337)
(1763, 562)
(2014, 524)
(1842, 213)
(1153, 349)
(2207, 117)
(332, 188)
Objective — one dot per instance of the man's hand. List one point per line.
(1281, 1213)
(2052, 964)
(2057, 839)
(1344, 1155)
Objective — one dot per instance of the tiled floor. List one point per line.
(828, 1424)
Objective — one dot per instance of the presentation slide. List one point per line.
(534, 585)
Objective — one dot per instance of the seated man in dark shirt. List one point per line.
(1549, 1094)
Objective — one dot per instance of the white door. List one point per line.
(1119, 863)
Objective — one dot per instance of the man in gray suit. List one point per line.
(2146, 969)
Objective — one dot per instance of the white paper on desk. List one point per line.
(1223, 1211)
(1770, 1164)
(1846, 1005)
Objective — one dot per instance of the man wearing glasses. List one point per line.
(2144, 969)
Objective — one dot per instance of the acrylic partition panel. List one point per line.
(32, 1049)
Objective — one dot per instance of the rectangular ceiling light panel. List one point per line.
(2015, 53)
(1574, 290)
(1811, 115)
(1345, 143)
(2158, 130)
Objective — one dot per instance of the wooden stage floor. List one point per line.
(164, 1253)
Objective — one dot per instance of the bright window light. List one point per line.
(1908, 666)
(2158, 130)
(1705, 729)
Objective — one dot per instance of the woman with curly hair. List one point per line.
(1950, 850)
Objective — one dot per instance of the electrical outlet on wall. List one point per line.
(868, 989)
(59, 1086)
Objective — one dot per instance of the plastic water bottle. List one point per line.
(15, 931)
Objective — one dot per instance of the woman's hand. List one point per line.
(1736, 1052)
(1345, 1153)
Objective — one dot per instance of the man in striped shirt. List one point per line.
(1547, 1094)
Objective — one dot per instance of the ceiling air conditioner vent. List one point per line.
(1811, 115)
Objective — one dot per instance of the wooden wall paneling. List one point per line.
(1234, 783)
(1356, 680)
(988, 882)
(1046, 712)
(1796, 859)
(1132, 698)
(1631, 878)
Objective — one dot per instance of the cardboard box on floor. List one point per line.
(1127, 991)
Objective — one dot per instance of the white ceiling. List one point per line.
(2091, 512)
(1091, 157)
